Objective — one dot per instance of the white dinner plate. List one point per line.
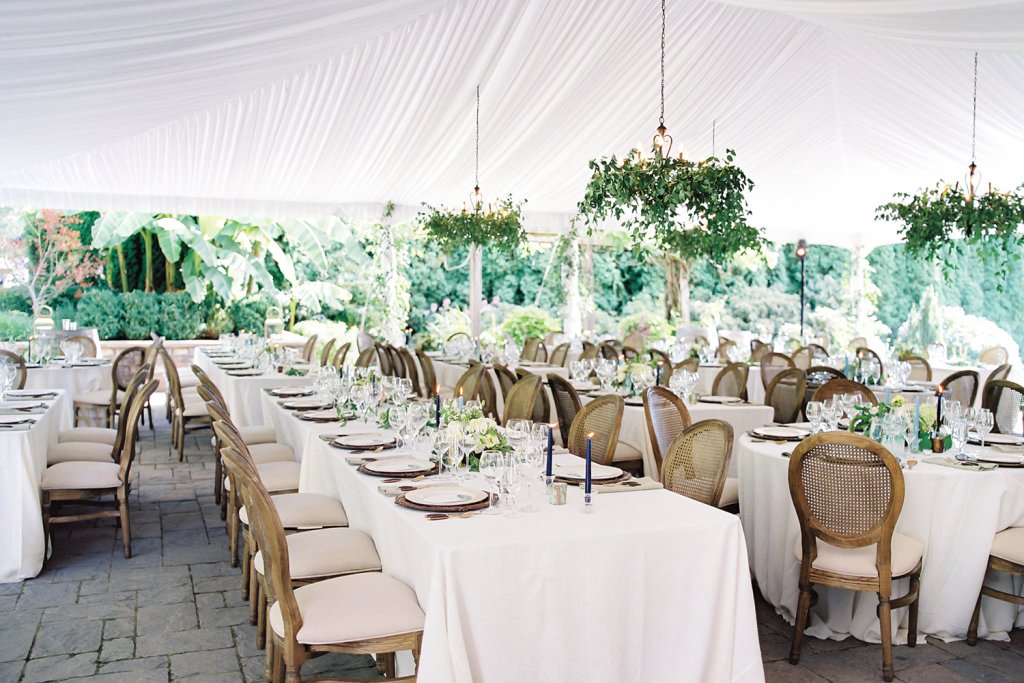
(234, 365)
(597, 472)
(305, 404)
(365, 441)
(722, 400)
(400, 466)
(780, 432)
(445, 496)
(291, 392)
(330, 414)
(1001, 439)
(1001, 458)
(245, 372)
(21, 405)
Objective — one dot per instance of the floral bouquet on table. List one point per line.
(484, 432)
(867, 414)
(633, 377)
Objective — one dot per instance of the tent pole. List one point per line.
(476, 287)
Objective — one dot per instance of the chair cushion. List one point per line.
(327, 552)
(305, 510)
(271, 452)
(79, 451)
(1009, 545)
(276, 476)
(98, 397)
(197, 409)
(906, 553)
(730, 492)
(81, 475)
(188, 379)
(624, 452)
(257, 434)
(349, 608)
(91, 434)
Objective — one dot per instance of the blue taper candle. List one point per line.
(551, 444)
(437, 407)
(657, 375)
(586, 481)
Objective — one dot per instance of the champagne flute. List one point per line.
(984, 423)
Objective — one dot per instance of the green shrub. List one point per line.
(219, 321)
(180, 317)
(15, 325)
(15, 299)
(251, 313)
(99, 308)
(141, 314)
(64, 308)
(528, 321)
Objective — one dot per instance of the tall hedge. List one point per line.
(141, 314)
(101, 308)
(180, 317)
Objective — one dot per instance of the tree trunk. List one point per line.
(170, 274)
(122, 268)
(147, 243)
(677, 290)
(110, 269)
(291, 321)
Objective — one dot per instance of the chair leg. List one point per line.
(181, 440)
(915, 588)
(149, 412)
(885, 627)
(278, 666)
(126, 528)
(233, 530)
(291, 675)
(803, 608)
(247, 554)
(972, 630)
(261, 619)
(268, 666)
(45, 501)
(218, 476)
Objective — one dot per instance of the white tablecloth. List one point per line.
(634, 432)
(72, 381)
(651, 587)
(22, 461)
(755, 387)
(955, 514)
(242, 394)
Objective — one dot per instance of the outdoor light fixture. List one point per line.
(662, 141)
(476, 198)
(801, 253)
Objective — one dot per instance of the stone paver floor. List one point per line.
(174, 611)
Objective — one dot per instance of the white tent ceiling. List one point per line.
(270, 107)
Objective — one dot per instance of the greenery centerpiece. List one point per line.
(867, 414)
(630, 377)
(500, 227)
(486, 434)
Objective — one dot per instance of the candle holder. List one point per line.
(557, 493)
(938, 443)
(588, 502)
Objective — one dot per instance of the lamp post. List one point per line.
(801, 253)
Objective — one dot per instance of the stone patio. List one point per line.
(174, 611)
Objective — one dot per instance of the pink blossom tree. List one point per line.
(56, 258)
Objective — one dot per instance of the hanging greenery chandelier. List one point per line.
(945, 217)
(500, 227)
(689, 209)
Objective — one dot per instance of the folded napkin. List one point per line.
(14, 428)
(16, 411)
(1007, 448)
(641, 484)
(946, 461)
(394, 490)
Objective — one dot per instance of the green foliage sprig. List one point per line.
(690, 209)
(941, 219)
(500, 227)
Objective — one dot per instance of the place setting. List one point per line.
(780, 433)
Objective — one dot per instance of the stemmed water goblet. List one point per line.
(606, 371)
(814, 410)
(510, 481)
(7, 374)
(983, 424)
(490, 469)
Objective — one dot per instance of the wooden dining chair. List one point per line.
(427, 368)
(589, 351)
(843, 386)
(786, 395)
(364, 613)
(89, 349)
(567, 404)
(858, 342)
(803, 358)
(314, 555)
(530, 346)
(629, 354)
(772, 363)
(961, 386)
(732, 381)
(1002, 373)
(688, 364)
(994, 355)
(541, 406)
(697, 461)
(383, 359)
(666, 416)
(506, 379)
(758, 349)
(1007, 556)
(412, 372)
(609, 349)
(108, 401)
(602, 417)
(366, 358)
(487, 393)
(325, 352)
(848, 493)
(635, 341)
(339, 356)
(920, 369)
(187, 416)
(722, 352)
(1006, 401)
(20, 369)
(864, 353)
(468, 385)
(309, 349)
(521, 399)
(106, 485)
(559, 355)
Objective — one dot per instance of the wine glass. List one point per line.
(983, 424)
(606, 371)
(814, 411)
(510, 481)
(399, 418)
(418, 416)
(440, 443)
(451, 457)
(7, 374)
(490, 468)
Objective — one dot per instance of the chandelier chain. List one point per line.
(661, 117)
(974, 110)
(477, 165)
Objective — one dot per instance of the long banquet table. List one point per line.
(22, 461)
(73, 380)
(651, 587)
(242, 394)
(954, 513)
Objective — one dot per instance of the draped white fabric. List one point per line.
(316, 106)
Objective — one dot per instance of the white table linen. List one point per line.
(955, 514)
(652, 586)
(73, 381)
(707, 374)
(242, 394)
(22, 462)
